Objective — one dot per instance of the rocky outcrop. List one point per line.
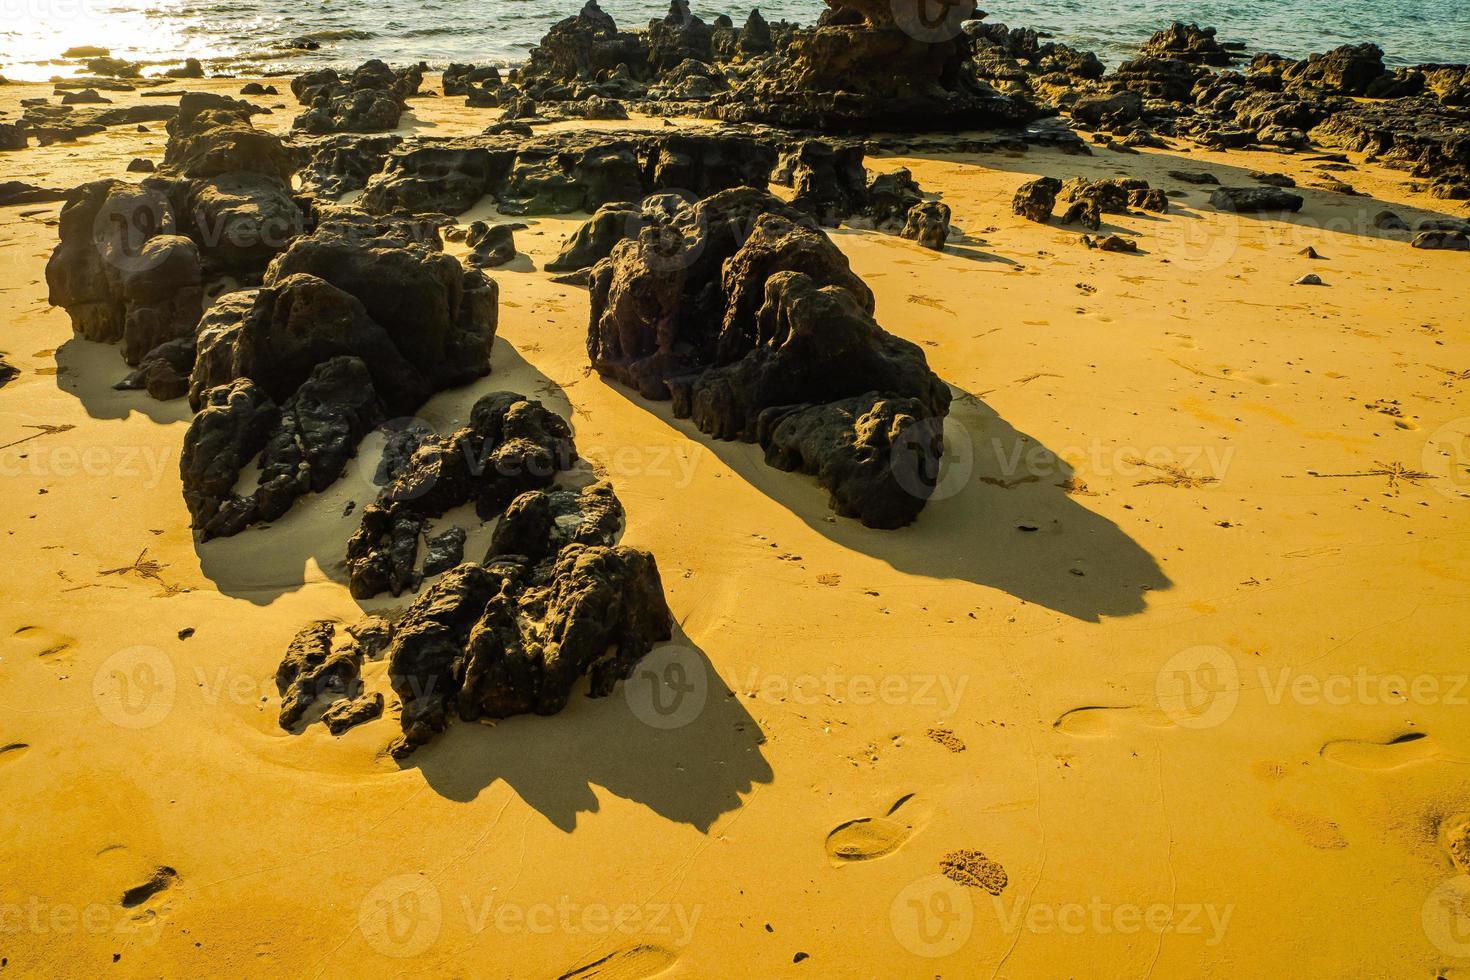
(755, 326)
(1188, 42)
(516, 634)
(1036, 199)
(510, 446)
(875, 66)
(369, 100)
(928, 224)
(120, 270)
(1255, 199)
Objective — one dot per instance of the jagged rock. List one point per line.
(1149, 199)
(1243, 199)
(87, 96)
(1035, 199)
(540, 523)
(491, 245)
(370, 100)
(679, 37)
(516, 636)
(140, 165)
(233, 424)
(874, 66)
(1112, 110)
(928, 224)
(434, 178)
(459, 79)
(314, 667)
(1448, 240)
(511, 445)
(889, 198)
(12, 137)
(212, 135)
(289, 327)
(443, 551)
(349, 713)
(1188, 43)
(241, 220)
(164, 371)
(120, 271)
(440, 316)
(19, 192)
(594, 240)
(1110, 243)
(1275, 180)
(162, 295)
(786, 337)
(319, 429)
(1346, 70)
(830, 181)
(1085, 213)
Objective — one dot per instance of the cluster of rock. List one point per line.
(511, 445)
(863, 66)
(132, 258)
(1417, 119)
(355, 323)
(752, 322)
(370, 100)
(1088, 200)
(554, 599)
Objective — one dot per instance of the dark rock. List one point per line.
(795, 329)
(1388, 221)
(1194, 176)
(233, 424)
(440, 316)
(1449, 240)
(479, 643)
(928, 224)
(1110, 243)
(1036, 198)
(164, 371)
(190, 69)
(19, 192)
(1275, 180)
(140, 165)
(433, 178)
(491, 245)
(1188, 43)
(349, 713)
(595, 239)
(1243, 199)
(370, 100)
(444, 551)
(314, 667)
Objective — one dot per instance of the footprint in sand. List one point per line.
(1095, 721)
(162, 877)
(872, 837)
(1401, 750)
(632, 963)
(1315, 829)
(42, 642)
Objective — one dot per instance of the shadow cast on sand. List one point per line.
(689, 761)
(1007, 514)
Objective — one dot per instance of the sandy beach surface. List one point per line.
(1173, 663)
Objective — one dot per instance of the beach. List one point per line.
(1170, 667)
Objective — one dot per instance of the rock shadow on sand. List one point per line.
(673, 737)
(1008, 514)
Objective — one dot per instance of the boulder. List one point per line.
(1243, 199)
(928, 224)
(1036, 199)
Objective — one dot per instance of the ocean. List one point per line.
(265, 36)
